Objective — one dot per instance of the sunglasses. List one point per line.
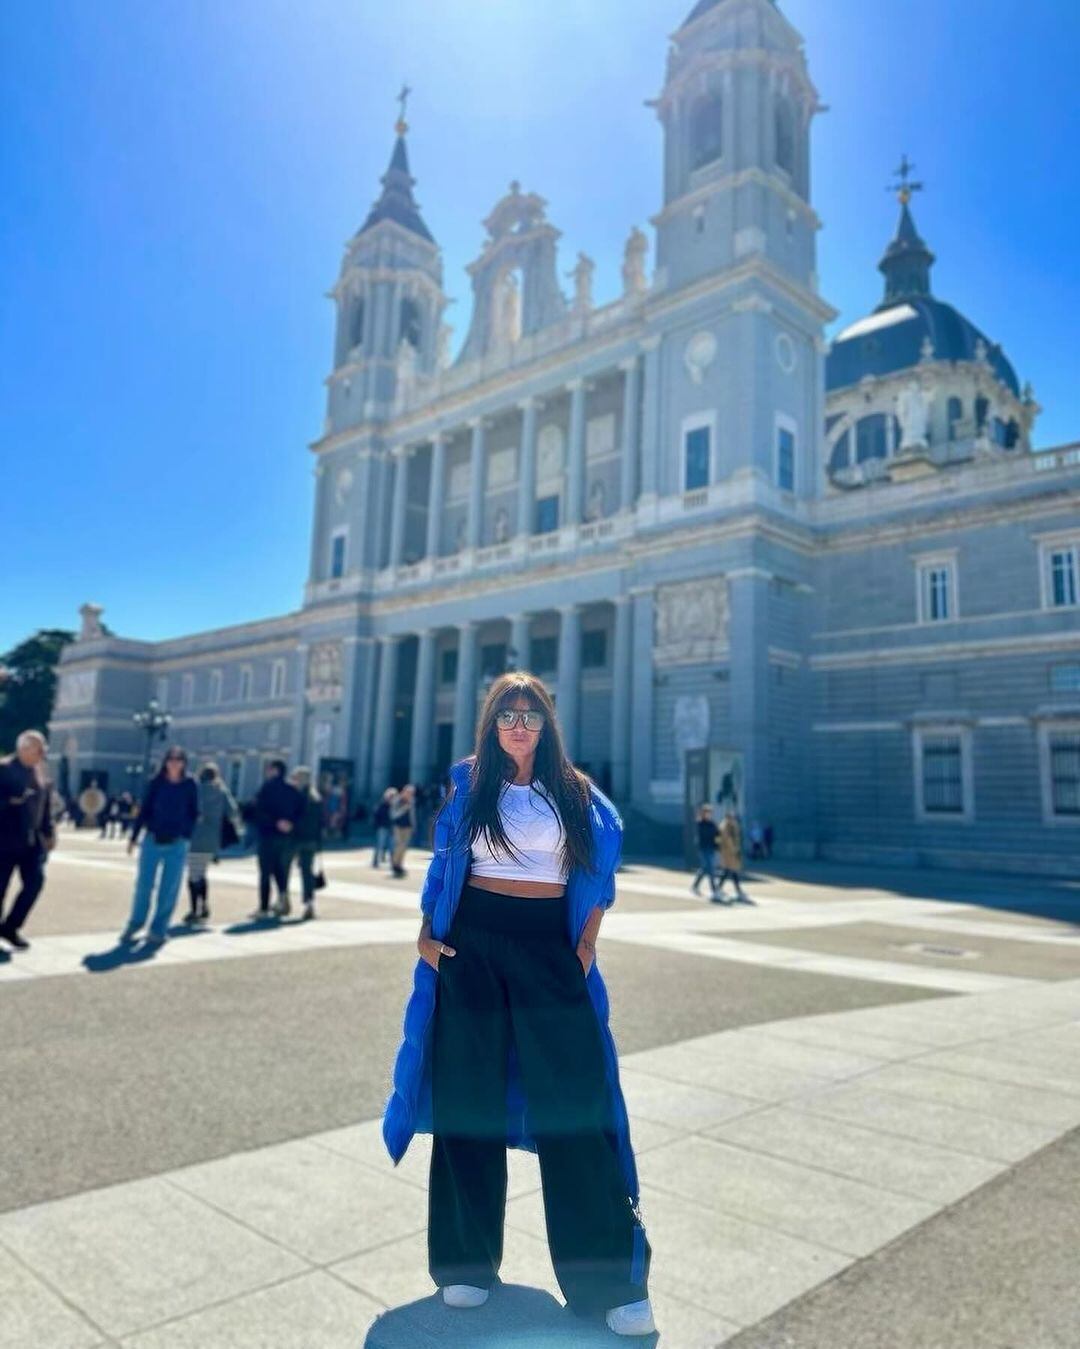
(509, 718)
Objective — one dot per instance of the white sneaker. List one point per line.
(464, 1295)
(635, 1318)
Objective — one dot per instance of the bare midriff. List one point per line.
(520, 889)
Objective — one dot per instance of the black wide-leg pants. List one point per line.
(516, 980)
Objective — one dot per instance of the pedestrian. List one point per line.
(757, 840)
(170, 807)
(730, 854)
(278, 806)
(27, 834)
(216, 806)
(506, 1032)
(768, 841)
(381, 822)
(707, 835)
(403, 824)
(308, 835)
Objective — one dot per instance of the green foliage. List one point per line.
(28, 684)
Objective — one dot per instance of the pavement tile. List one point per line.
(135, 1254)
(903, 1165)
(682, 1325)
(734, 1073)
(312, 1201)
(314, 1311)
(932, 1121)
(1028, 1105)
(679, 1105)
(31, 1314)
(736, 1048)
(991, 1063)
(808, 1031)
(830, 1210)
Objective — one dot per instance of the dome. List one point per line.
(892, 339)
(895, 335)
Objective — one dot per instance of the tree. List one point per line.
(28, 684)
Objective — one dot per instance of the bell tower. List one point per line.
(736, 109)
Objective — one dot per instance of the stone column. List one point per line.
(300, 704)
(749, 685)
(641, 697)
(575, 465)
(344, 737)
(527, 469)
(465, 693)
(382, 749)
(401, 490)
(423, 717)
(621, 659)
(628, 488)
(436, 494)
(319, 559)
(477, 474)
(568, 677)
(519, 638)
(650, 419)
(366, 716)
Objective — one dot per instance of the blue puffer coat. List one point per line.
(408, 1111)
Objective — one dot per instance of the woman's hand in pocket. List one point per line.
(433, 951)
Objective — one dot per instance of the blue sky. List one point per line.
(178, 179)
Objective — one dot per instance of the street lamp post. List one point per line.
(154, 722)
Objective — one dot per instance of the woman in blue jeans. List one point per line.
(168, 813)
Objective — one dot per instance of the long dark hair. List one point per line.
(492, 768)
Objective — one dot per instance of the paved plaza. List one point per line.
(855, 1105)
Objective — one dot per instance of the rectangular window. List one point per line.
(337, 556)
(1065, 678)
(277, 679)
(161, 692)
(937, 590)
(215, 686)
(1064, 584)
(785, 459)
(697, 444)
(547, 515)
(544, 656)
(942, 775)
(236, 770)
(594, 649)
(1064, 748)
(245, 684)
(187, 690)
(449, 666)
(492, 658)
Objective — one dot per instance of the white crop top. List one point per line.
(534, 829)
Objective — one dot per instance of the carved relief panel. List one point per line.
(692, 621)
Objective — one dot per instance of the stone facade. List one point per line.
(872, 643)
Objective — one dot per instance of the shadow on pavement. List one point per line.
(269, 924)
(514, 1315)
(132, 953)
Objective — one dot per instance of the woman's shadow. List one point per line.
(524, 1318)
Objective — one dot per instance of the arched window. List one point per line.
(871, 438)
(841, 454)
(955, 414)
(706, 131)
(785, 134)
(356, 325)
(410, 322)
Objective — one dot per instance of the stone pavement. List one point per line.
(772, 1158)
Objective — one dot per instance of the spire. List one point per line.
(907, 261)
(397, 202)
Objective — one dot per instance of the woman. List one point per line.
(307, 836)
(168, 813)
(731, 854)
(403, 823)
(526, 849)
(707, 834)
(381, 823)
(216, 804)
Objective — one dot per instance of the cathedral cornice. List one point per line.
(730, 182)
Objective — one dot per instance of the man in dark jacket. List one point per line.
(167, 814)
(278, 808)
(26, 829)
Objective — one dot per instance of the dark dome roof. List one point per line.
(892, 339)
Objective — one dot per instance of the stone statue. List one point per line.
(442, 347)
(913, 412)
(583, 280)
(597, 501)
(502, 525)
(91, 622)
(508, 310)
(633, 268)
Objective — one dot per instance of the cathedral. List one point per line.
(831, 584)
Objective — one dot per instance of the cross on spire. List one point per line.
(403, 99)
(904, 189)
